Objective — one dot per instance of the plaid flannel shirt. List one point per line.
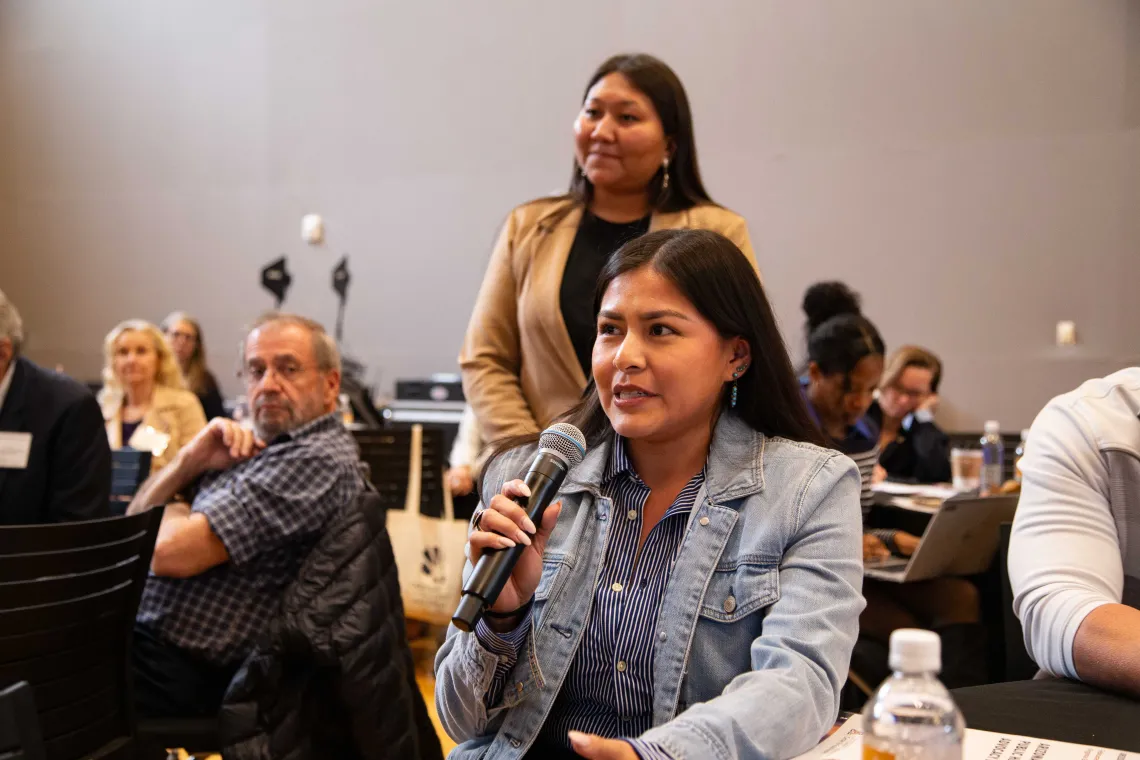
(268, 511)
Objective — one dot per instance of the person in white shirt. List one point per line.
(466, 458)
(1074, 557)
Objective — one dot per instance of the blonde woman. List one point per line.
(145, 402)
(185, 337)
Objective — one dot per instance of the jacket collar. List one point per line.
(735, 466)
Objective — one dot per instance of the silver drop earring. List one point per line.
(665, 169)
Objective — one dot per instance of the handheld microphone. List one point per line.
(561, 448)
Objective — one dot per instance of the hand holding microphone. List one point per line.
(505, 524)
(511, 533)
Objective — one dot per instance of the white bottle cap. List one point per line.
(915, 651)
(992, 427)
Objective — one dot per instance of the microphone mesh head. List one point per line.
(565, 440)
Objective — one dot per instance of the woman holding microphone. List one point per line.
(695, 592)
(526, 356)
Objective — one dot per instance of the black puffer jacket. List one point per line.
(333, 677)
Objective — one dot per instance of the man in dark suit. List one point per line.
(55, 463)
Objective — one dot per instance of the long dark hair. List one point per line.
(838, 335)
(714, 275)
(661, 85)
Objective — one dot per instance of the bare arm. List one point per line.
(218, 446)
(162, 486)
(1106, 650)
(186, 545)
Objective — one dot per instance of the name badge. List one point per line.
(14, 450)
(149, 439)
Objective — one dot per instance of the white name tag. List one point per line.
(14, 450)
(148, 439)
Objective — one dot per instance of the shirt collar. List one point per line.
(619, 462)
(6, 383)
(322, 424)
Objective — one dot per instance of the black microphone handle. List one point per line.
(494, 568)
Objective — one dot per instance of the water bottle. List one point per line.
(912, 716)
(344, 406)
(1018, 454)
(993, 452)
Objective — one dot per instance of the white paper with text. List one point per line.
(847, 744)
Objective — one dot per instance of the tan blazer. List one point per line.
(173, 412)
(520, 370)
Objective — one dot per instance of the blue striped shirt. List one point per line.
(609, 688)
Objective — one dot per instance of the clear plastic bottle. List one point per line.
(344, 406)
(993, 454)
(1018, 454)
(912, 716)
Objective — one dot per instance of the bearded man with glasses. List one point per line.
(243, 509)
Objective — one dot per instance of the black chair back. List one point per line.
(129, 468)
(388, 452)
(68, 598)
(19, 727)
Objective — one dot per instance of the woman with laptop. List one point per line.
(845, 366)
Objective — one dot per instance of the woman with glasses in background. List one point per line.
(845, 353)
(912, 447)
(185, 337)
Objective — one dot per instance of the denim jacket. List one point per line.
(757, 622)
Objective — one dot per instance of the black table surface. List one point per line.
(1053, 708)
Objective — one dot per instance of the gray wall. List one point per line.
(972, 166)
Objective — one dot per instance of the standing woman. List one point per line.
(695, 591)
(526, 356)
(185, 337)
(145, 402)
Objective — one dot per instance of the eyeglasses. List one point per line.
(910, 394)
(285, 369)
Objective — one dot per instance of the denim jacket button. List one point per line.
(662, 636)
(730, 604)
(704, 521)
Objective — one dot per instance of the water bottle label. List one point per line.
(870, 753)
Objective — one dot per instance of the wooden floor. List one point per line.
(427, 688)
(423, 650)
